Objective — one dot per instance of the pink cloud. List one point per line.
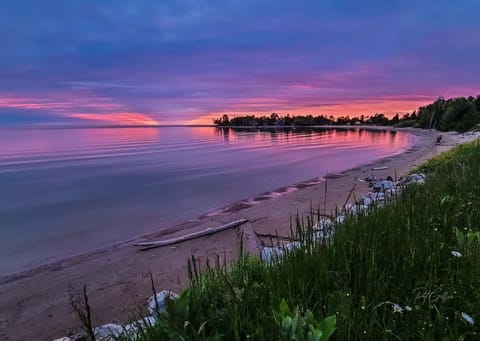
(122, 118)
(84, 106)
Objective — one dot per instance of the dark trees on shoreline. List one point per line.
(458, 114)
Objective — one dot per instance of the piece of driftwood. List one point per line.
(273, 236)
(193, 235)
(380, 168)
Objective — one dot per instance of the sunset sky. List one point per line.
(186, 61)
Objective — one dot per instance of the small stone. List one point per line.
(65, 338)
(160, 301)
(456, 254)
(108, 332)
(468, 318)
(416, 177)
(271, 253)
(320, 236)
(397, 308)
(366, 200)
(351, 209)
(323, 223)
(131, 330)
(383, 185)
(390, 193)
(362, 208)
(79, 336)
(376, 196)
(340, 219)
(292, 245)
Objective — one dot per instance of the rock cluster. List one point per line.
(156, 303)
(382, 190)
(470, 136)
(110, 332)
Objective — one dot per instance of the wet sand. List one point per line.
(34, 305)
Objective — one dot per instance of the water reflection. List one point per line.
(65, 191)
(19, 141)
(387, 139)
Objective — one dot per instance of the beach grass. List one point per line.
(407, 270)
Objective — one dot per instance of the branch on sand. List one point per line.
(194, 235)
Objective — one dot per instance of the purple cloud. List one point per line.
(183, 61)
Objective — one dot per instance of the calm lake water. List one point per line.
(65, 191)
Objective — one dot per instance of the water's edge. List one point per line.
(232, 207)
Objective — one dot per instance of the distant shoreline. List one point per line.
(327, 126)
(85, 126)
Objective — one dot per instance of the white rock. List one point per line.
(390, 193)
(79, 335)
(416, 177)
(366, 200)
(383, 185)
(65, 338)
(340, 219)
(470, 136)
(292, 245)
(322, 235)
(354, 209)
(468, 318)
(271, 253)
(131, 330)
(108, 332)
(351, 209)
(323, 223)
(378, 196)
(362, 208)
(418, 181)
(160, 300)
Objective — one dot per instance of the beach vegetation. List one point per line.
(406, 270)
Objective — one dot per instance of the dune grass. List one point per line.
(408, 270)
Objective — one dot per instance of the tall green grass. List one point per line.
(387, 274)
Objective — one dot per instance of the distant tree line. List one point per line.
(459, 114)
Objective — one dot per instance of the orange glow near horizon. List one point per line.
(60, 104)
(89, 106)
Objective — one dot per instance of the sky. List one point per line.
(187, 61)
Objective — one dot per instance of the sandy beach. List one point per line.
(34, 305)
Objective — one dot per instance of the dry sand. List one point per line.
(34, 305)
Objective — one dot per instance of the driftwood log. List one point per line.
(193, 235)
